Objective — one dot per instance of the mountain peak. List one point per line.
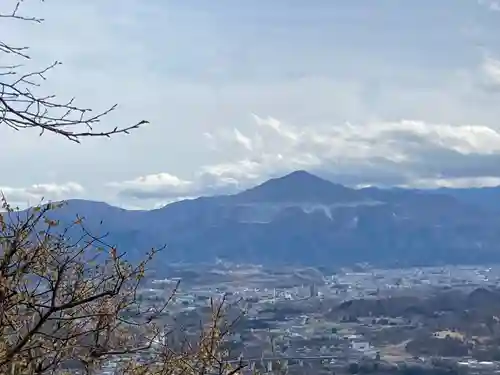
(300, 175)
(299, 186)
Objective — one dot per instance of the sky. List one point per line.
(385, 92)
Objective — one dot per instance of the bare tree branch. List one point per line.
(23, 106)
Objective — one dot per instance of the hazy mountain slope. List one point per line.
(487, 198)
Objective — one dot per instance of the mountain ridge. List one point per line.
(303, 219)
(372, 192)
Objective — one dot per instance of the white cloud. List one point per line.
(277, 126)
(492, 5)
(460, 182)
(491, 69)
(243, 140)
(406, 147)
(48, 192)
(159, 185)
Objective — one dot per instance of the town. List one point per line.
(352, 320)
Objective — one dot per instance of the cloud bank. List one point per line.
(405, 153)
(258, 90)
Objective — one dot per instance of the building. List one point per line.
(313, 291)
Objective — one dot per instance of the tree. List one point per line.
(69, 299)
(73, 304)
(353, 368)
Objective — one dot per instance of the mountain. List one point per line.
(300, 187)
(303, 219)
(487, 198)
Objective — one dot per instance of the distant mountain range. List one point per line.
(303, 219)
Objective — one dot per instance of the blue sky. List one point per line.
(379, 92)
